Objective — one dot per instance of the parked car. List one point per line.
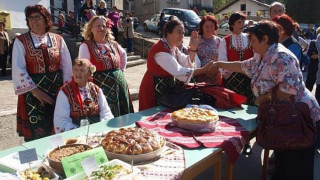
(189, 18)
(152, 23)
(224, 30)
(135, 22)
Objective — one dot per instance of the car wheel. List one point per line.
(145, 27)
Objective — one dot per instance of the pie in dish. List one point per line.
(195, 115)
(130, 141)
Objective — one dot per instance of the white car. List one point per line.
(152, 23)
(224, 30)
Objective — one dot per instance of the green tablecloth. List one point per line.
(245, 115)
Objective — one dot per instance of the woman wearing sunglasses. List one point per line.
(41, 63)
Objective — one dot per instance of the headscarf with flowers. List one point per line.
(74, 85)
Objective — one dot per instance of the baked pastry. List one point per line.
(71, 141)
(195, 115)
(132, 141)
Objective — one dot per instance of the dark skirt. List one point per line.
(115, 88)
(240, 84)
(168, 85)
(35, 121)
(294, 164)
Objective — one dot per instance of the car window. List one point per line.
(153, 18)
(224, 25)
(191, 15)
(166, 11)
(179, 14)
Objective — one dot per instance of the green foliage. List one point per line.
(203, 13)
(307, 11)
(217, 4)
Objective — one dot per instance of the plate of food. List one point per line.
(202, 118)
(133, 144)
(112, 170)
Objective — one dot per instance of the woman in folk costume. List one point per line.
(168, 67)
(41, 63)
(80, 99)
(236, 47)
(110, 59)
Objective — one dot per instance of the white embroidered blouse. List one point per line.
(20, 75)
(62, 120)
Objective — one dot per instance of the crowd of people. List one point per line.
(54, 95)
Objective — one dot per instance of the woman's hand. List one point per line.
(195, 40)
(213, 71)
(42, 96)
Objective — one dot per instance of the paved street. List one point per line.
(246, 167)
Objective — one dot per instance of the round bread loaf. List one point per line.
(132, 141)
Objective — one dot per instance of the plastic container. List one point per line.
(127, 166)
(53, 175)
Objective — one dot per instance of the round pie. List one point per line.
(195, 115)
(132, 141)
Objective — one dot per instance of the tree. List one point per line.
(217, 4)
(307, 11)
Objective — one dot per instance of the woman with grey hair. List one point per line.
(80, 99)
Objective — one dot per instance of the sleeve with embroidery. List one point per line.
(22, 82)
(62, 120)
(185, 60)
(65, 62)
(222, 56)
(170, 64)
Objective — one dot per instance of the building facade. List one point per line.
(248, 7)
